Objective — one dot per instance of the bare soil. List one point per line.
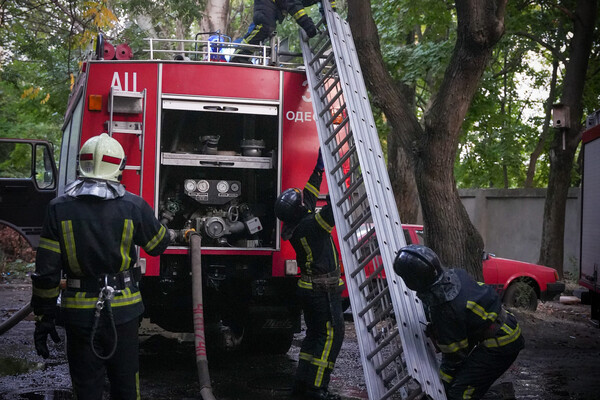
(560, 361)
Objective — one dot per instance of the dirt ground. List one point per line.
(560, 361)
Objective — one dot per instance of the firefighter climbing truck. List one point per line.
(590, 214)
(210, 144)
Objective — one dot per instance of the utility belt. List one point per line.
(323, 282)
(118, 281)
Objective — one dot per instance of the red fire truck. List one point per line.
(210, 144)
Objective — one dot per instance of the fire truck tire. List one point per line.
(521, 295)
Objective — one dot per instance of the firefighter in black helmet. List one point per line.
(319, 287)
(90, 235)
(479, 340)
(267, 13)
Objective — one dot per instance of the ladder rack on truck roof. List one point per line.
(397, 357)
(273, 54)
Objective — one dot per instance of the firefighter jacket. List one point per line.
(316, 253)
(87, 235)
(463, 314)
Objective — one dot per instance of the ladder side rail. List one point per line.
(407, 307)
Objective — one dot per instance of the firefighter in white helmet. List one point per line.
(89, 235)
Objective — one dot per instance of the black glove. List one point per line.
(308, 25)
(43, 327)
(320, 166)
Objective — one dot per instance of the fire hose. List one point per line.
(15, 318)
(198, 312)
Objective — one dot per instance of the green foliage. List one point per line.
(42, 42)
(504, 122)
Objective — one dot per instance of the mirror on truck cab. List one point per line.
(27, 184)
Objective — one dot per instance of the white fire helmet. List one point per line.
(102, 157)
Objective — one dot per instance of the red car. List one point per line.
(520, 284)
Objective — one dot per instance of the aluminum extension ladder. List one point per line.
(397, 359)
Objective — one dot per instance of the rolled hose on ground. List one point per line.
(16, 318)
(198, 311)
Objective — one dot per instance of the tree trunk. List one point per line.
(215, 16)
(387, 96)
(566, 141)
(402, 178)
(448, 229)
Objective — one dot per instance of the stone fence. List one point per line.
(510, 222)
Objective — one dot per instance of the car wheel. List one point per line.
(521, 295)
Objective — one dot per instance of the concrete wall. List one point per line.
(510, 222)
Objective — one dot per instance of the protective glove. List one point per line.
(308, 25)
(320, 166)
(43, 327)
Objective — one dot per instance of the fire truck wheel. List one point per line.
(521, 295)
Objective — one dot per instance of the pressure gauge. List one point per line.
(203, 186)
(222, 187)
(190, 185)
(235, 187)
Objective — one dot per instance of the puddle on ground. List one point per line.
(15, 366)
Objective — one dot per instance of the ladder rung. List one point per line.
(363, 240)
(331, 120)
(330, 87)
(326, 77)
(389, 360)
(319, 53)
(332, 100)
(356, 204)
(347, 175)
(371, 277)
(352, 188)
(325, 63)
(319, 42)
(357, 224)
(341, 144)
(337, 130)
(379, 317)
(364, 263)
(383, 343)
(372, 302)
(397, 387)
(330, 104)
(343, 159)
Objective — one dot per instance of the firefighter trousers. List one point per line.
(324, 321)
(481, 369)
(88, 372)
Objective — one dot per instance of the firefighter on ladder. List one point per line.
(267, 13)
(319, 287)
(89, 235)
(479, 340)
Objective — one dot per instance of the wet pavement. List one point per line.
(167, 365)
(560, 361)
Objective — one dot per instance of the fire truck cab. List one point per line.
(210, 145)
